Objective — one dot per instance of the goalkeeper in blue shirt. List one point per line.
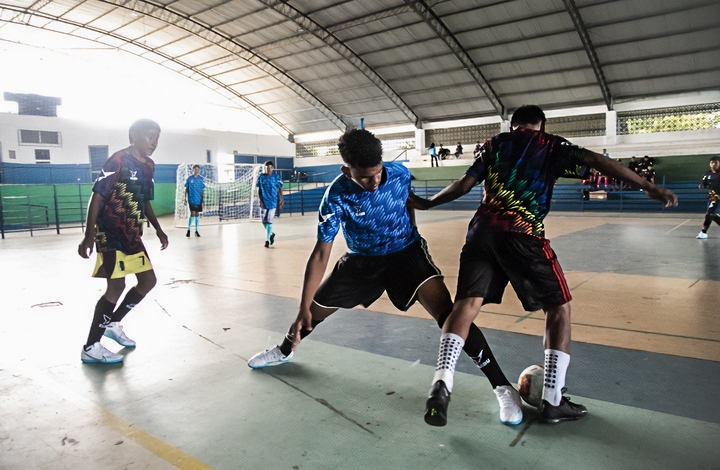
(194, 198)
(386, 254)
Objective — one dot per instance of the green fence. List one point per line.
(35, 207)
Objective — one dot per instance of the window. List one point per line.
(12, 155)
(28, 137)
(42, 156)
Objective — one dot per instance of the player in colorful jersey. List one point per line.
(506, 243)
(386, 253)
(270, 197)
(119, 206)
(194, 197)
(711, 180)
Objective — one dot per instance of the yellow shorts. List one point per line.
(116, 264)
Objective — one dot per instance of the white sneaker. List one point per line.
(98, 353)
(115, 332)
(701, 236)
(509, 399)
(269, 357)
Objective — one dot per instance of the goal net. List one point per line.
(232, 200)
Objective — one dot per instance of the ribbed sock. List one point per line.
(556, 365)
(448, 354)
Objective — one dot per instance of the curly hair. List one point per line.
(360, 148)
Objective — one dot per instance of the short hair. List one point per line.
(269, 162)
(528, 114)
(142, 125)
(360, 148)
(196, 166)
(715, 159)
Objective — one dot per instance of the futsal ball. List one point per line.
(530, 384)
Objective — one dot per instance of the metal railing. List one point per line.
(30, 208)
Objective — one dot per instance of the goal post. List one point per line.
(229, 197)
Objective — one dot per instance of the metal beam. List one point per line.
(432, 20)
(336, 44)
(218, 39)
(589, 50)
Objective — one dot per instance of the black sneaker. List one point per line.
(197, 234)
(188, 233)
(437, 403)
(267, 244)
(565, 411)
(272, 238)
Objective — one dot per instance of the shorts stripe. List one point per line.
(557, 270)
(423, 246)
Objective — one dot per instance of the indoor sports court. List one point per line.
(645, 358)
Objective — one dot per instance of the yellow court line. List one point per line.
(165, 451)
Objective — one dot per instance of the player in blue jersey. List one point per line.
(270, 197)
(194, 197)
(386, 254)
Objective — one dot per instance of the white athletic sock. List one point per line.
(450, 348)
(556, 364)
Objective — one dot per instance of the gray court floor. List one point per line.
(353, 396)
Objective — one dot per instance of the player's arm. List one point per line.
(314, 272)
(85, 248)
(150, 214)
(281, 198)
(186, 193)
(610, 167)
(451, 192)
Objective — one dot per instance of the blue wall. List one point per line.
(47, 173)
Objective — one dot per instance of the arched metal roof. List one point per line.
(312, 65)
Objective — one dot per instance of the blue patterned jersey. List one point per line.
(195, 186)
(374, 223)
(269, 187)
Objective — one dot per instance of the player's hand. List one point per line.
(163, 239)
(303, 320)
(663, 195)
(85, 248)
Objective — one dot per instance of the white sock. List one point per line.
(450, 348)
(556, 364)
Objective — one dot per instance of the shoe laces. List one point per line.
(505, 397)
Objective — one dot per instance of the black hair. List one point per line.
(715, 159)
(142, 125)
(432, 145)
(360, 148)
(196, 166)
(269, 162)
(528, 114)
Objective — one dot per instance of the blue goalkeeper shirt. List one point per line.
(374, 223)
(195, 186)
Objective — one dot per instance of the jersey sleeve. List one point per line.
(108, 176)
(478, 169)
(329, 219)
(572, 160)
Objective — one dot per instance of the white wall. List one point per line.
(174, 147)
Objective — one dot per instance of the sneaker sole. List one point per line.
(512, 423)
(434, 414)
(97, 361)
(562, 420)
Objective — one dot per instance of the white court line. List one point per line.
(678, 226)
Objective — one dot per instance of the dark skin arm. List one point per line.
(85, 248)
(451, 192)
(150, 214)
(314, 272)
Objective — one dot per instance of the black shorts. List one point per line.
(358, 279)
(490, 260)
(195, 207)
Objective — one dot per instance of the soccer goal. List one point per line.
(229, 197)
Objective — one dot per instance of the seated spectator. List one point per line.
(646, 162)
(649, 173)
(443, 152)
(478, 147)
(458, 150)
(634, 165)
